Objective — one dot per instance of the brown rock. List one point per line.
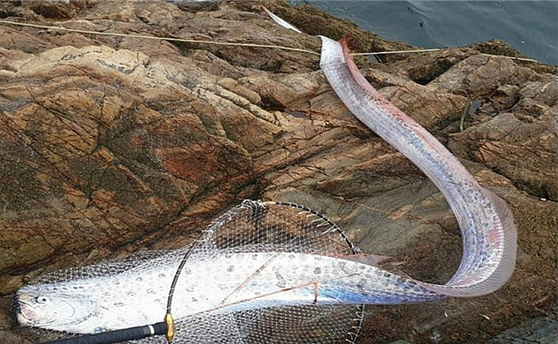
(428, 106)
(480, 75)
(111, 145)
(499, 142)
(505, 97)
(53, 9)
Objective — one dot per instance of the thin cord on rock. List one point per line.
(253, 45)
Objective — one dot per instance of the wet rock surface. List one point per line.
(113, 144)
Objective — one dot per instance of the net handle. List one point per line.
(116, 336)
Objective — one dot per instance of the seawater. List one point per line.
(530, 26)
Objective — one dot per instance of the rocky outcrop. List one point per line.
(113, 144)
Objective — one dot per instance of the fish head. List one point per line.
(53, 307)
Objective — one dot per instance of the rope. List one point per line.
(252, 45)
(184, 40)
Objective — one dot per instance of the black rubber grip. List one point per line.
(116, 336)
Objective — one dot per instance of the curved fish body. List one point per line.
(487, 228)
(229, 281)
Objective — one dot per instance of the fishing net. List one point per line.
(254, 227)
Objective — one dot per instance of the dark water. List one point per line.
(529, 26)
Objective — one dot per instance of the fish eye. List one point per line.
(42, 299)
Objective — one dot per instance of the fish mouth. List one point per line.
(16, 309)
(21, 312)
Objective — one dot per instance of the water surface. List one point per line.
(528, 25)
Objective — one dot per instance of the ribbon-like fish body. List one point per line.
(231, 281)
(486, 223)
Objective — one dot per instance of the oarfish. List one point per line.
(236, 279)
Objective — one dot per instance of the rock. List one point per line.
(538, 100)
(543, 330)
(497, 144)
(427, 106)
(425, 67)
(480, 75)
(505, 97)
(53, 9)
(112, 145)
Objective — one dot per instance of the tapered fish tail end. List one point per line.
(345, 46)
(331, 53)
(357, 75)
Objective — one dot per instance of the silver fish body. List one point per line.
(224, 283)
(229, 281)
(487, 228)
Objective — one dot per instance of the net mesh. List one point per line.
(253, 227)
